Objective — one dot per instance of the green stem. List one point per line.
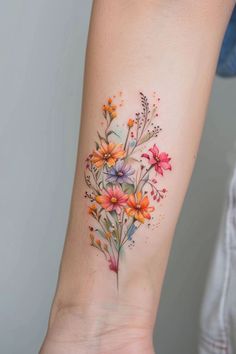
(141, 178)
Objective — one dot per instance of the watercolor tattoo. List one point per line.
(122, 176)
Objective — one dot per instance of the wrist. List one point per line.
(100, 328)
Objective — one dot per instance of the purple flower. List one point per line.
(120, 173)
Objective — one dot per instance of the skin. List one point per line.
(166, 46)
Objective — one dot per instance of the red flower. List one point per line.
(160, 161)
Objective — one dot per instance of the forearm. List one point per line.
(165, 50)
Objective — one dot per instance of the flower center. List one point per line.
(107, 156)
(120, 174)
(138, 206)
(157, 159)
(114, 200)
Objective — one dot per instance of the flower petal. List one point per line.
(130, 211)
(139, 216)
(146, 156)
(164, 157)
(139, 197)
(153, 161)
(111, 161)
(109, 191)
(109, 207)
(119, 165)
(112, 147)
(125, 179)
(144, 202)
(111, 179)
(150, 209)
(154, 150)
(146, 215)
(99, 198)
(99, 163)
(117, 209)
(158, 169)
(131, 201)
(104, 148)
(165, 165)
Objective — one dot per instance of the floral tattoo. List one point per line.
(122, 179)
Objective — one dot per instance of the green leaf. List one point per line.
(98, 173)
(112, 132)
(114, 215)
(109, 184)
(128, 188)
(107, 223)
(101, 233)
(145, 138)
(131, 160)
(146, 178)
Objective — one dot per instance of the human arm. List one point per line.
(169, 48)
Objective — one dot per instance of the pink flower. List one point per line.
(112, 199)
(160, 161)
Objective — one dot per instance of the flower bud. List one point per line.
(130, 123)
(98, 242)
(113, 115)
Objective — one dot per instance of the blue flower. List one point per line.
(120, 173)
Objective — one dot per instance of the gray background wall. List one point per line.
(41, 66)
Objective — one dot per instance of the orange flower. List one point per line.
(110, 108)
(98, 242)
(92, 209)
(138, 207)
(107, 154)
(112, 111)
(105, 108)
(130, 123)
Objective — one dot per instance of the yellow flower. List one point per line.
(107, 154)
(109, 100)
